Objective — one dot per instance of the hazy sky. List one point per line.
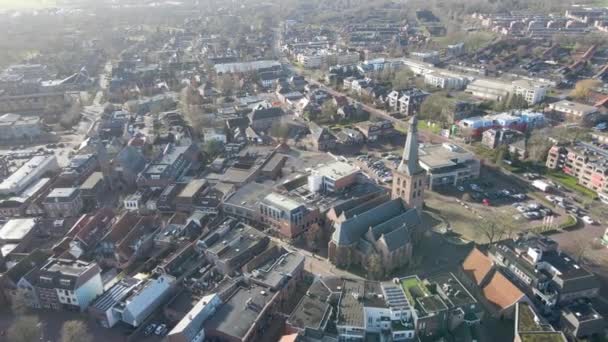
(26, 3)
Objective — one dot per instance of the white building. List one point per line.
(533, 92)
(573, 109)
(144, 300)
(445, 80)
(30, 172)
(489, 90)
(210, 134)
(103, 307)
(448, 164)
(495, 90)
(190, 328)
(66, 284)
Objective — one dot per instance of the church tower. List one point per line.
(409, 179)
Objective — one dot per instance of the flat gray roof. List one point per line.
(240, 312)
(17, 229)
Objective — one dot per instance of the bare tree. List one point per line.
(19, 302)
(374, 266)
(313, 236)
(492, 230)
(583, 88)
(580, 249)
(75, 331)
(25, 329)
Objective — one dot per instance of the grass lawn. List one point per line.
(433, 127)
(413, 288)
(571, 183)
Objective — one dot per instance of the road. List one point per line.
(92, 113)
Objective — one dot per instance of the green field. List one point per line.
(571, 183)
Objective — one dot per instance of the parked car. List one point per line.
(150, 329)
(587, 220)
(161, 330)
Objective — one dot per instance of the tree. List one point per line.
(25, 329)
(19, 302)
(502, 154)
(402, 79)
(313, 236)
(583, 88)
(492, 230)
(432, 108)
(517, 101)
(75, 331)
(279, 130)
(374, 266)
(328, 111)
(538, 146)
(213, 148)
(227, 84)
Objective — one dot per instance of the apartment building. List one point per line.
(63, 284)
(496, 90)
(587, 162)
(171, 164)
(445, 80)
(287, 215)
(63, 202)
(406, 101)
(532, 92)
(548, 276)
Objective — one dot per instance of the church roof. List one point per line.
(382, 219)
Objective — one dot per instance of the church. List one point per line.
(385, 228)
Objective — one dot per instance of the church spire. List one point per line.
(409, 162)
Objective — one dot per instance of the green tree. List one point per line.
(25, 329)
(75, 331)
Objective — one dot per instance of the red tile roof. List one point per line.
(477, 265)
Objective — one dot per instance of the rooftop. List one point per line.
(62, 193)
(92, 181)
(356, 295)
(115, 294)
(16, 229)
(531, 328)
(443, 155)
(335, 170)
(236, 241)
(310, 313)
(284, 202)
(573, 106)
(193, 187)
(455, 293)
(275, 270)
(240, 312)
